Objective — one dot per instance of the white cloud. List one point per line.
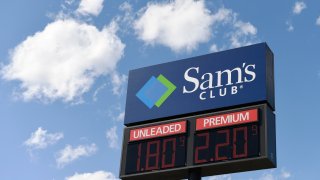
(63, 60)
(90, 7)
(98, 175)
(120, 116)
(126, 7)
(273, 175)
(298, 7)
(290, 27)
(213, 48)
(183, 25)
(69, 2)
(246, 28)
(40, 139)
(116, 112)
(112, 138)
(223, 15)
(179, 24)
(118, 82)
(285, 174)
(318, 21)
(70, 154)
(220, 177)
(97, 91)
(243, 34)
(267, 176)
(127, 18)
(238, 32)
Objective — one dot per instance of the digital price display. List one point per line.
(222, 141)
(234, 141)
(156, 154)
(215, 143)
(156, 147)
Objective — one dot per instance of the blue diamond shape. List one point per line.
(151, 92)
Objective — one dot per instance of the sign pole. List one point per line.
(194, 174)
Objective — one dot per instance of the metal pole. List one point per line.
(194, 174)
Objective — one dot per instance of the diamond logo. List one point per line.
(156, 91)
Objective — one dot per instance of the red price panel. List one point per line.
(156, 154)
(226, 144)
(156, 147)
(227, 137)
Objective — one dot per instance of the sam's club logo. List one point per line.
(156, 91)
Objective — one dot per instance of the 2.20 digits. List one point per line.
(226, 144)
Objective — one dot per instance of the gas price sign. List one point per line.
(201, 116)
(220, 142)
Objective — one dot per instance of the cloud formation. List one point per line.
(41, 139)
(182, 25)
(214, 48)
(243, 34)
(298, 7)
(63, 60)
(285, 174)
(70, 154)
(237, 32)
(118, 82)
(120, 116)
(266, 175)
(128, 17)
(98, 175)
(318, 21)
(112, 138)
(290, 27)
(90, 7)
(220, 177)
(179, 24)
(271, 175)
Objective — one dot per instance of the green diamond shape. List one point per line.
(171, 87)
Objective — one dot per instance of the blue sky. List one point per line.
(64, 67)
